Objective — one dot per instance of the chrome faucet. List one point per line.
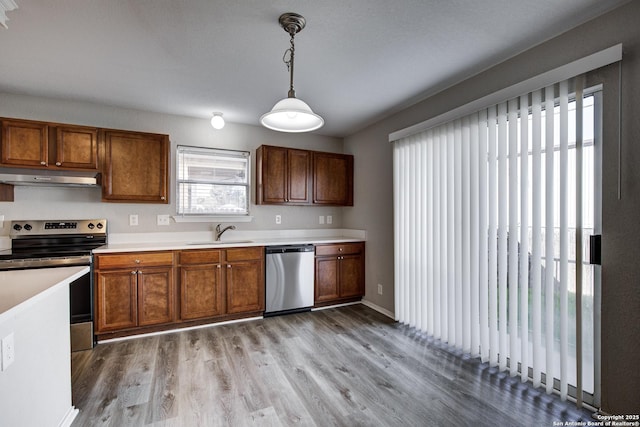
(220, 232)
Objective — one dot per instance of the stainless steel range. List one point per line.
(50, 244)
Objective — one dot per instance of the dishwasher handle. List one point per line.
(283, 249)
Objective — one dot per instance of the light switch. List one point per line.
(321, 219)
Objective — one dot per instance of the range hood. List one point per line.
(48, 178)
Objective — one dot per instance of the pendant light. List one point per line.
(291, 114)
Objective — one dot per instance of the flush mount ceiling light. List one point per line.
(291, 114)
(217, 121)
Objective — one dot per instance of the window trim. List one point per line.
(204, 217)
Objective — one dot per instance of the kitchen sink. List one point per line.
(220, 242)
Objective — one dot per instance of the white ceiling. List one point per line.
(356, 61)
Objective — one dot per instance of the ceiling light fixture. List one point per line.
(217, 121)
(291, 114)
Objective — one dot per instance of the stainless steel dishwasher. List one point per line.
(289, 279)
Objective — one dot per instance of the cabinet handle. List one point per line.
(137, 261)
(134, 272)
(340, 249)
(219, 266)
(228, 265)
(58, 164)
(162, 197)
(43, 163)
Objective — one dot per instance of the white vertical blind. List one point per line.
(481, 227)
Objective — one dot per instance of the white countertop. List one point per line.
(21, 288)
(183, 241)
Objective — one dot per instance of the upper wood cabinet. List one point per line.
(287, 176)
(135, 167)
(41, 145)
(332, 179)
(284, 176)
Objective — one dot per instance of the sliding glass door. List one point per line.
(493, 217)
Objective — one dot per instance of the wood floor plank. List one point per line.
(347, 366)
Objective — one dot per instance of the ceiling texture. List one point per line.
(356, 61)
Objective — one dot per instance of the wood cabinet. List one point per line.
(332, 179)
(202, 291)
(245, 279)
(137, 292)
(41, 145)
(135, 167)
(339, 275)
(134, 290)
(284, 176)
(287, 176)
(220, 282)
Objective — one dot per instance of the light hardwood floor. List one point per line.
(347, 366)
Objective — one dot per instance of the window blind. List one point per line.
(483, 207)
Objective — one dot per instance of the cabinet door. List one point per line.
(327, 275)
(116, 300)
(136, 167)
(298, 176)
(25, 143)
(351, 276)
(201, 291)
(155, 296)
(76, 147)
(245, 286)
(332, 179)
(274, 175)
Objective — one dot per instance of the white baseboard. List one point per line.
(188, 328)
(378, 309)
(69, 417)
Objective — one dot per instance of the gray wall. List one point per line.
(69, 203)
(621, 230)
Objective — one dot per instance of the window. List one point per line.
(212, 181)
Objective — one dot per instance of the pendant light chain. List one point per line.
(289, 62)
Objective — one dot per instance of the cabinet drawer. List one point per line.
(241, 254)
(143, 259)
(339, 249)
(200, 257)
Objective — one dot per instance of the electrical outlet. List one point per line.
(133, 220)
(278, 219)
(321, 219)
(8, 351)
(379, 289)
(329, 219)
(163, 219)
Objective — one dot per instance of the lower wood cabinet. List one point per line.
(221, 282)
(339, 275)
(141, 292)
(202, 291)
(134, 290)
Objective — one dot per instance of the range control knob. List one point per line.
(100, 226)
(91, 226)
(17, 227)
(27, 227)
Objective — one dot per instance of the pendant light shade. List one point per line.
(291, 114)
